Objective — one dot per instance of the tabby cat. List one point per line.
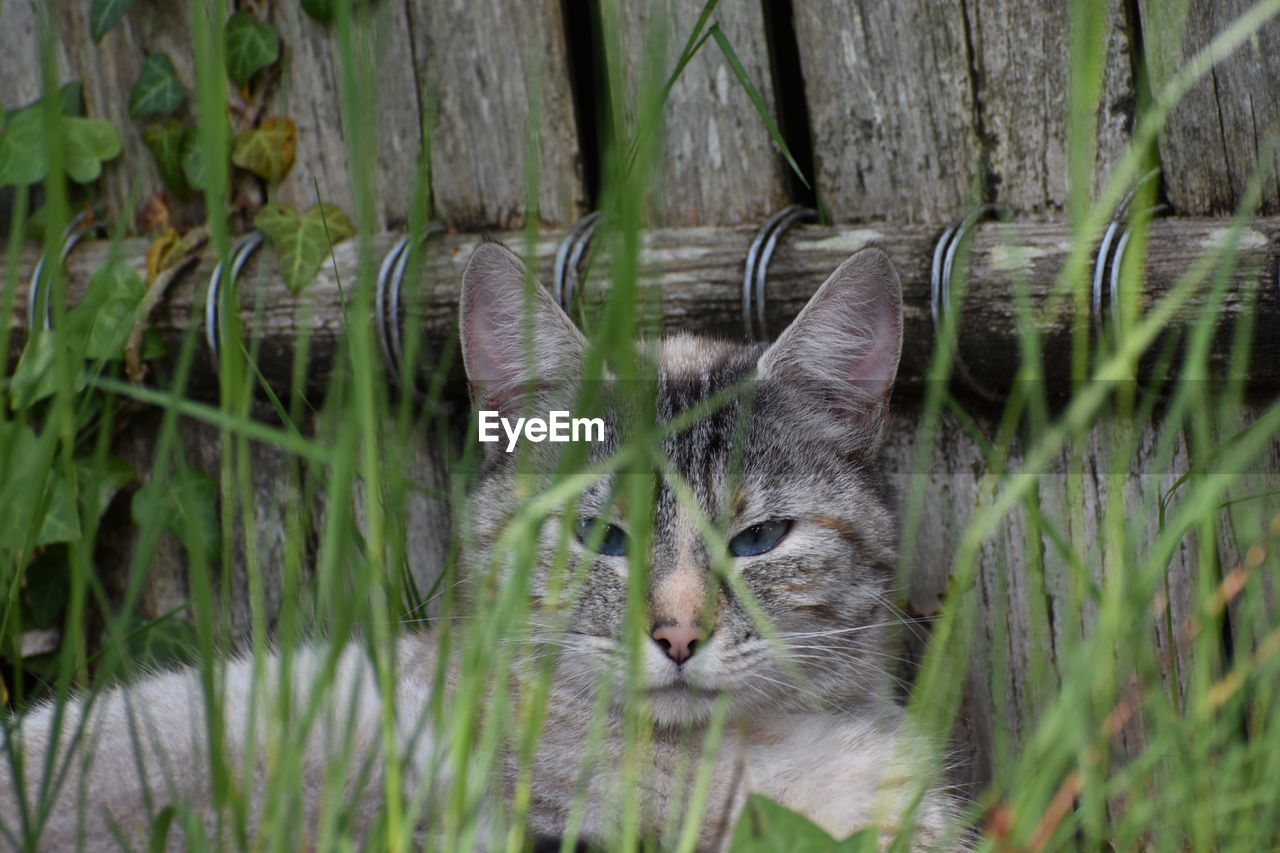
(768, 502)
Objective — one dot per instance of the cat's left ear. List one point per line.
(517, 344)
(842, 350)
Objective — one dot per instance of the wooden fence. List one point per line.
(905, 112)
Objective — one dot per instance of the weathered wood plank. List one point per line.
(718, 165)
(890, 97)
(697, 274)
(1217, 134)
(1022, 62)
(493, 85)
(165, 581)
(310, 93)
(20, 76)
(1033, 597)
(1248, 530)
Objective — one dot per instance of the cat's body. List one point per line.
(784, 477)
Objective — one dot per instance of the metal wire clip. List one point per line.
(239, 255)
(756, 272)
(386, 301)
(568, 267)
(71, 236)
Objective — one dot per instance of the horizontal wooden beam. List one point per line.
(694, 276)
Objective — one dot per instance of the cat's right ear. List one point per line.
(515, 340)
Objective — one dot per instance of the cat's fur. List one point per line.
(816, 731)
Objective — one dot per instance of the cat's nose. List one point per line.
(679, 642)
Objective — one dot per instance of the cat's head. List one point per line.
(785, 472)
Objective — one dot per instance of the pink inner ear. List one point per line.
(845, 344)
(880, 360)
(495, 314)
(488, 338)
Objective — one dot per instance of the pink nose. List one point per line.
(678, 641)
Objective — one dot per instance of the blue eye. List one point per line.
(758, 538)
(601, 536)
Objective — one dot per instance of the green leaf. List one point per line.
(735, 65)
(267, 150)
(109, 311)
(302, 241)
(89, 141)
(192, 159)
(25, 486)
(164, 642)
(186, 507)
(71, 98)
(105, 14)
(46, 587)
(61, 521)
(23, 159)
(34, 378)
(766, 827)
(321, 10)
(250, 45)
(165, 141)
(100, 483)
(153, 345)
(196, 522)
(157, 91)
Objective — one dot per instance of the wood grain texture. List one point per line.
(890, 97)
(310, 93)
(20, 47)
(1225, 126)
(1022, 61)
(164, 580)
(718, 164)
(1043, 572)
(695, 276)
(493, 86)
(1247, 536)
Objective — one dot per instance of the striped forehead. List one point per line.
(690, 357)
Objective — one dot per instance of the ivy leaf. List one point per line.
(159, 251)
(250, 45)
(23, 159)
(23, 150)
(302, 241)
(192, 158)
(165, 141)
(321, 10)
(267, 150)
(196, 522)
(105, 14)
(162, 643)
(157, 91)
(766, 827)
(89, 141)
(105, 316)
(61, 521)
(35, 484)
(186, 507)
(34, 378)
(46, 585)
(71, 98)
(99, 483)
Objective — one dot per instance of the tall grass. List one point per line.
(1146, 667)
